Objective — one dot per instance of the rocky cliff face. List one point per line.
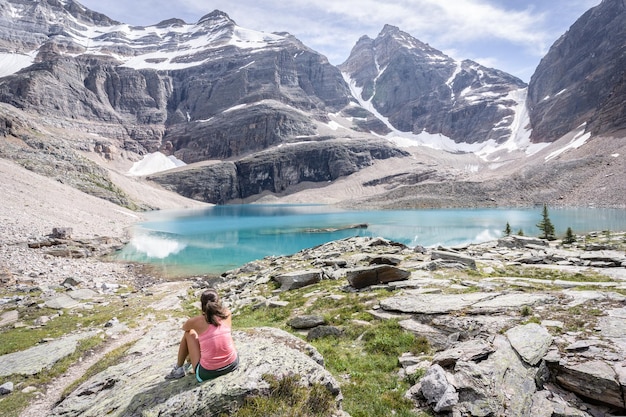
(581, 79)
(418, 88)
(214, 91)
(156, 83)
(275, 171)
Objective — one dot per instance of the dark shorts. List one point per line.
(206, 374)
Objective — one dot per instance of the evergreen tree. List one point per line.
(545, 225)
(520, 232)
(507, 229)
(569, 236)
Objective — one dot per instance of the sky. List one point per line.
(510, 35)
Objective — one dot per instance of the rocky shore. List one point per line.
(517, 327)
(514, 327)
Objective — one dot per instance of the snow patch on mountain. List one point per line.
(519, 140)
(153, 163)
(520, 130)
(577, 141)
(12, 63)
(162, 47)
(450, 82)
(178, 45)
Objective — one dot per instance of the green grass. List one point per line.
(128, 311)
(13, 404)
(547, 274)
(287, 397)
(364, 359)
(17, 339)
(261, 317)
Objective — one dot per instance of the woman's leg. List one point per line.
(183, 351)
(192, 348)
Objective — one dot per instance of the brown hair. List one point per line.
(212, 307)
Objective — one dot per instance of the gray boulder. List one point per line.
(306, 322)
(136, 387)
(323, 331)
(484, 378)
(386, 259)
(8, 317)
(437, 390)
(548, 404)
(298, 279)
(520, 242)
(502, 385)
(61, 233)
(6, 388)
(61, 302)
(470, 350)
(378, 274)
(593, 379)
(453, 257)
(531, 341)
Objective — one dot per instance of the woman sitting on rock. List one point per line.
(207, 341)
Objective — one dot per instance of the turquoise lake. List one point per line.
(219, 238)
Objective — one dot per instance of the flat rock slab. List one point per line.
(33, 360)
(581, 297)
(454, 257)
(136, 387)
(500, 385)
(62, 301)
(470, 350)
(531, 341)
(613, 325)
(9, 317)
(437, 338)
(83, 294)
(473, 325)
(174, 294)
(593, 379)
(306, 322)
(433, 303)
(514, 300)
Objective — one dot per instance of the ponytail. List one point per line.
(212, 307)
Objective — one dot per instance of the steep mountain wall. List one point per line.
(581, 78)
(261, 112)
(418, 88)
(276, 170)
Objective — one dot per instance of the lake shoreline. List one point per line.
(216, 240)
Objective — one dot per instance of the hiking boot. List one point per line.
(176, 373)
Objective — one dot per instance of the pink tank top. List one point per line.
(217, 348)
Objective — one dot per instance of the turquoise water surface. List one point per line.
(220, 238)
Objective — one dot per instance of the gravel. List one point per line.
(32, 205)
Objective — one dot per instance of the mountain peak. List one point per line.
(171, 22)
(405, 40)
(215, 16)
(389, 30)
